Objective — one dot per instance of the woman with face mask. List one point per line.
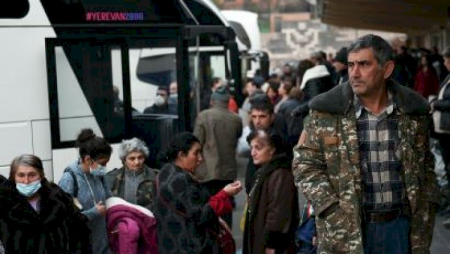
(84, 180)
(36, 215)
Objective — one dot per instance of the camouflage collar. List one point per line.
(339, 100)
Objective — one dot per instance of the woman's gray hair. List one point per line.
(27, 160)
(381, 49)
(132, 145)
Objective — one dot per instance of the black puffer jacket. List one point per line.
(316, 80)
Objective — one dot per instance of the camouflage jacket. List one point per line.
(326, 164)
(145, 194)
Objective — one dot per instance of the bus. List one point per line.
(253, 57)
(62, 58)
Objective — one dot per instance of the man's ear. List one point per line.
(180, 154)
(388, 69)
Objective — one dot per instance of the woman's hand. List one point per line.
(233, 188)
(270, 251)
(101, 208)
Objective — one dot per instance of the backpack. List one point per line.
(75, 187)
(75, 182)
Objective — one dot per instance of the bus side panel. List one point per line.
(15, 139)
(23, 86)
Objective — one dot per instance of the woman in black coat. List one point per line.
(186, 212)
(36, 216)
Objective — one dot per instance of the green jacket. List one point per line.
(327, 166)
(145, 194)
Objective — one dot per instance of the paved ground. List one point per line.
(441, 239)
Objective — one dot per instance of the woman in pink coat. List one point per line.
(131, 228)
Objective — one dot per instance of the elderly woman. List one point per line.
(135, 181)
(272, 215)
(36, 215)
(186, 213)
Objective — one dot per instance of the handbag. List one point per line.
(222, 237)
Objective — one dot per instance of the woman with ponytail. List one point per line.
(84, 180)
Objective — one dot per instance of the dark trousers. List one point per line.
(387, 237)
(444, 142)
(214, 186)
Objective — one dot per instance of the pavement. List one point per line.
(441, 236)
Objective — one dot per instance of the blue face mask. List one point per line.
(29, 189)
(99, 171)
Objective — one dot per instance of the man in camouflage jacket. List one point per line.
(327, 160)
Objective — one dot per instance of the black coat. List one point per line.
(57, 228)
(313, 88)
(183, 213)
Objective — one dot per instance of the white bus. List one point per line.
(245, 24)
(61, 58)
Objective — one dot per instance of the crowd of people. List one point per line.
(352, 133)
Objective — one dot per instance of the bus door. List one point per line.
(113, 84)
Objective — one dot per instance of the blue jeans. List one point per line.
(390, 237)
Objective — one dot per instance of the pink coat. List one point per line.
(131, 228)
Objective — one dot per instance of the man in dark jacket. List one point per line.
(218, 130)
(340, 65)
(316, 80)
(161, 105)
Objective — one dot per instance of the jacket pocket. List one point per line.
(335, 233)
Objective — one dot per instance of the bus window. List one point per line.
(73, 108)
(81, 91)
(16, 9)
(155, 88)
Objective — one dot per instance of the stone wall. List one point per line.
(296, 40)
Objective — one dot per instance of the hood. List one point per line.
(317, 71)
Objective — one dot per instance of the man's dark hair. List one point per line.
(381, 49)
(261, 102)
(181, 142)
